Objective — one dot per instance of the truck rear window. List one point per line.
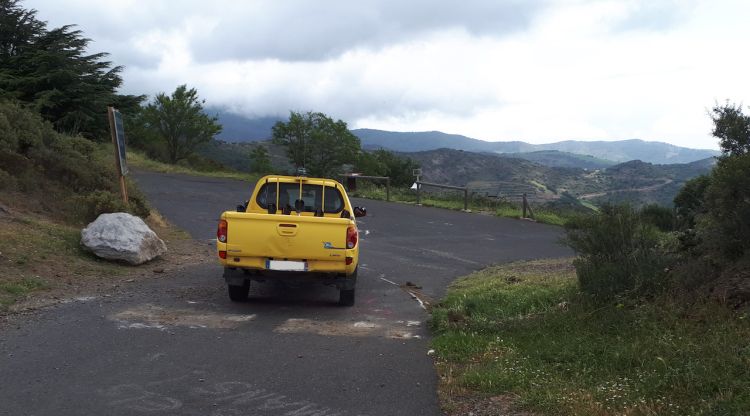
(312, 198)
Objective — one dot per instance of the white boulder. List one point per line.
(121, 236)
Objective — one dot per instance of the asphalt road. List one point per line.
(178, 346)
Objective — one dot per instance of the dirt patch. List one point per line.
(394, 330)
(456, 400)
(157, 317)
(501, 405)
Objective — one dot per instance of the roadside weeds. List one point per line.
(520, 338)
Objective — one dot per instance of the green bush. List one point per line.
(725, 226)
(619, 253)
(90, 206)
(70, 177)
(688, 202)
(659, 216)
(98, 202)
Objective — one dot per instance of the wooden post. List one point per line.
(527, 207)
(466, 199)
(418, 186)
(113, 134)
(388, 189)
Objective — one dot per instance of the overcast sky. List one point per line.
(537, 71)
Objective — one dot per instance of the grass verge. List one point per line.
(524, 331)
(139, 160)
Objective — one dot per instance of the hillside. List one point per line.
(236, 128)
(558, 159)
(237, 155)
(635, 181)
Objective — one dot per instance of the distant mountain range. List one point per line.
(569, 153)
(615, 151)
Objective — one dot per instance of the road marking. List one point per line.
(389, 281)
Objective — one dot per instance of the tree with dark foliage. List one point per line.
(317, 143)
(52, 71)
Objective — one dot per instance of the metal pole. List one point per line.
(418, 186)
(466, 199)
(388, 189)
(524, 205)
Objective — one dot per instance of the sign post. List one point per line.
(417, 185)
(118, 140)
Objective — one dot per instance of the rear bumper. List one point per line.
(313, 266)
(238, 276)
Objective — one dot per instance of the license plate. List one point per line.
(286, 265)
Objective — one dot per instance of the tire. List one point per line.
(239, 293)
(346, 297)
(346, 294)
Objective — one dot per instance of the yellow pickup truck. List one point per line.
(291, 228)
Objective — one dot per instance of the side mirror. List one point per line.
(360, 211)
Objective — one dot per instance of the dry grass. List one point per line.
(42, 261)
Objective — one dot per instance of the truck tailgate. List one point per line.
(286, 236)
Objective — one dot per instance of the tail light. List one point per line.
(221, 233)
(351, 237)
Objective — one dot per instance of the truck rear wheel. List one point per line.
(346, 297)
(239, 293)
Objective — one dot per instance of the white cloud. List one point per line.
(514, 70)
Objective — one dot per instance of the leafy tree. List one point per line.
(382, 162)
(725, 227)
(317, 142)
(178, 122)
(261, 163)
(52, 71)
(732, 128)
(688, 202)
(659, 216)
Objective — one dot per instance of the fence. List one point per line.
(351, 183)
(436, 185)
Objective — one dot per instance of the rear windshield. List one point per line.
(312, 199)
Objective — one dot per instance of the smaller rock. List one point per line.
(431, 353)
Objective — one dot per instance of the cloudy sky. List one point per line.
(537, 71)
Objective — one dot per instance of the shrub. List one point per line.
(725, 227)
(659, 216)
(69, 177)
(90, 206)
(619, 253)
(689, 201)
(98, 202)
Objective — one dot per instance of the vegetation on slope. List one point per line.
(523, 333)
